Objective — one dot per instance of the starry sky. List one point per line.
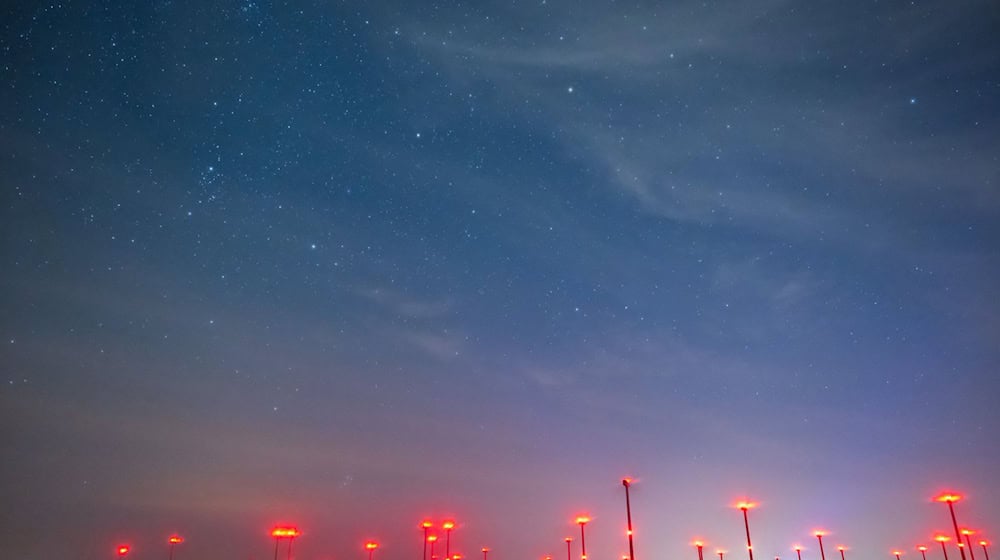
(350, 265)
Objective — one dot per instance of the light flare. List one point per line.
(948, 497)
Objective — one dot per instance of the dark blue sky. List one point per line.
(350, 265)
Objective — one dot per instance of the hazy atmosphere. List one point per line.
(347, 266)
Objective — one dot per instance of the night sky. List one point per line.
(350, 265)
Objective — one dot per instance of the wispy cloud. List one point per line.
(399, 304)
(440, 345)
(744, 153)
(610, 40)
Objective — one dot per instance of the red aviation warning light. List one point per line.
(285, 532)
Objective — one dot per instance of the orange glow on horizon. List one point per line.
(948, 497)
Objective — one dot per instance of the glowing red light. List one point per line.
(922, 548)
(583, 520)
(447, 525)
(968, 532)
(984, 543)
(426, 524)
(484, 549)
(432, 538)
(371, 545)
(841, 547)
(698, 544)
(175, 539)
(569, 539)
(819, 533)
(797, 548)
(285, 532)
(123, 550)
(948, 497)
(897, 552)
(942, 538)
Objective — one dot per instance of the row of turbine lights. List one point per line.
(172, 541)
(370, 546)
(949, 498)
